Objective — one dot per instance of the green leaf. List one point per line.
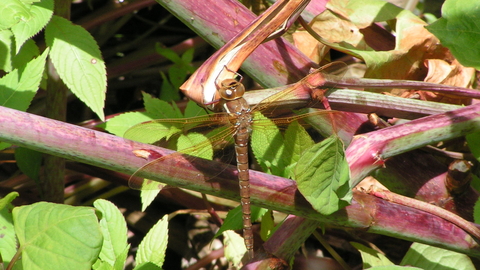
(41, 12)
(53, 236)
(147, 266)
(18, 87)
(5, 201)
(267, 145)
(168, 91)
(476, 212)
(234, 247)
(371, 257)
(187, 58)
(114, 230)
(118, 125)
(196, 140)
(78, 61)
(29, 162)
(234, 219)
(149, 192)
(160, 109)
(192, 109)
(432, 258)
(177, 75)
(322, 176)
(153, 246)
(28, 51)
(6, 50)
(168, 53)
(298, 141)
(458, 30)
(267, 225)
(473, 140)
(12, 12)
(8, 248)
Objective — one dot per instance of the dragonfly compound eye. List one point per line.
(231, 89)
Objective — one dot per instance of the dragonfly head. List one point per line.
(231, 89)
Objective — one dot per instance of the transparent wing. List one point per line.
(316, 83)
(197, 137)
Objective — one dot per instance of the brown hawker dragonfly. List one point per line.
(237, 123)
(214, 86)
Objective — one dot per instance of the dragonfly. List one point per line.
(216, 85)
(238, 120)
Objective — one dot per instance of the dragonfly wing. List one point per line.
(328, 76)
(191, 146)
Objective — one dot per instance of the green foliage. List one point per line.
(29, 161)
(56, 236)
(234, 220)
(114, 230)
(419, 256)
(473, 140)
(9, 241)
(71, 48)
(459, 31)
(78, 61)
(234, 247)
(177, 73)
(322, 176)
(371, 257)
(432, 258)
(153, 246)
(52, 236)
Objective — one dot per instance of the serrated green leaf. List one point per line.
(371, 257)
(458, 30)
(18, 87)
(160, 109)
(53, 236)
(234, 219)
(234, 247)
(322, 176)
(114, 230)
(147, 266)
(28, 51)
(177, 75)
(41, 12)
(187, 58)
(267, 145)
(153, 246)
(78, 61)
(432, 258)
(149, 192)
(8, 248)
(168, 91)
(298, 141)
(12, 12)
(6, 50)
(29, 162)
(192, 109)
(167, 53)
(118, 125)
(203, 147)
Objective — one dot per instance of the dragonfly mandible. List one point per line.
(236, 122)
